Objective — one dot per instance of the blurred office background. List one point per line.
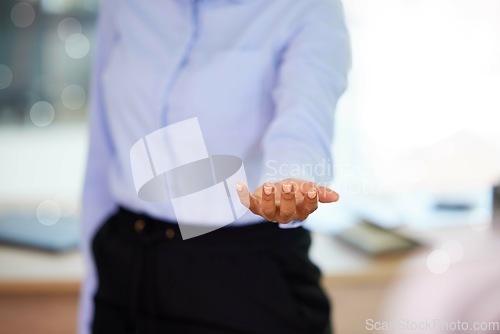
(44, 75)
(417, 142)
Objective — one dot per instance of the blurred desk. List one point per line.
(38, 291)
(342, 264)
(27, 271)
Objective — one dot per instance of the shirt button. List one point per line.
(139, 225)
(170, 233)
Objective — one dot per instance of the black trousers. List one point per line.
(250, 279)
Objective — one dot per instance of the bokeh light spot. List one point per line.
(42, 113)
(22, 14)
(48, 212)
(438, 262)
(73, 97)
(77, 46)
(5, 76)
(67, 27)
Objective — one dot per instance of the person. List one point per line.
(263, 78)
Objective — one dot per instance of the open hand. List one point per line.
(285, 201)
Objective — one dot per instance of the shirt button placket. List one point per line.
(184, 57)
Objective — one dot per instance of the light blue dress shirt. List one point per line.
(262, 76)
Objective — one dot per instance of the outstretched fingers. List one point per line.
(285, 201)
(268, 203)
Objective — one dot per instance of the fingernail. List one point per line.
(287, 187)
(268, 190)
(239, 186)
(311, 193)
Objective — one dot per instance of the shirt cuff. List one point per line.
(292, 224)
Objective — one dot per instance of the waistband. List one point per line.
(147, 229)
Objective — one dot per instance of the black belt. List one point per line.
(262, 235)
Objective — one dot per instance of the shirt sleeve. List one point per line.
(97, 200)
(312, 76)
